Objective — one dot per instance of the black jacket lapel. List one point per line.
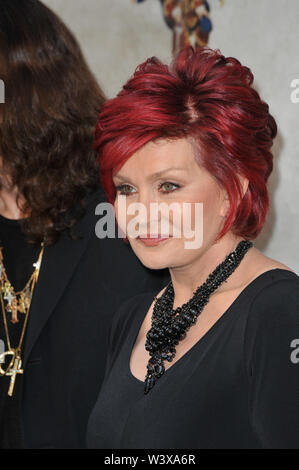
(59, 262)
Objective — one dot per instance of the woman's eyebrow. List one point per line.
(153, 175)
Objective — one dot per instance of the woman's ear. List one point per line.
(244, 184)
(226, 204)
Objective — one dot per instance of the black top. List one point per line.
(18, 258)
(237, 387)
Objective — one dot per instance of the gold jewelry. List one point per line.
(16, 301)
(15, 305)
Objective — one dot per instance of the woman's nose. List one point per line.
(147, 197)
(149, 202)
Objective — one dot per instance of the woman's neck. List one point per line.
(186, 279)
(9, 207)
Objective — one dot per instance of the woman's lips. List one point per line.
(153, 240)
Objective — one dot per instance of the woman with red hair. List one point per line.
(211, 360)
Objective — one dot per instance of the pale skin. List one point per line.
(10, 199)
(188, 268)
(9, 207)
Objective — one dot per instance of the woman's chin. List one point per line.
(151, 261)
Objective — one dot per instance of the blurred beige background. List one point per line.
(116, 35)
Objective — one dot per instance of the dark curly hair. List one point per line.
(52, 101)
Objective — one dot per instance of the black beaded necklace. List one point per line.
(170, 326)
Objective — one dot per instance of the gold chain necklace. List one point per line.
(16, 302)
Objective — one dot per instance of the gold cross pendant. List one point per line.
(15, 308)
(13, 372)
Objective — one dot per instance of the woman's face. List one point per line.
(166, 172)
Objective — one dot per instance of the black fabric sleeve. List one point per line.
(272, 364)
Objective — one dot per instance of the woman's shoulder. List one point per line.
(279, 279)
(274, 308)
(277, 286)
(268, 281)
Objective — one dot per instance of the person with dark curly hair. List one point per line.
(60, 284)
(210, 361)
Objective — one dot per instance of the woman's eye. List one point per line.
(124, 189)
(169, 187)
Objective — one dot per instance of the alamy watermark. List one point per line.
(186, 221)
(2, 92)
(295, 352)
(295, 92)
(2, 350)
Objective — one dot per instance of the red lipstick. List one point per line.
(153, 241)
